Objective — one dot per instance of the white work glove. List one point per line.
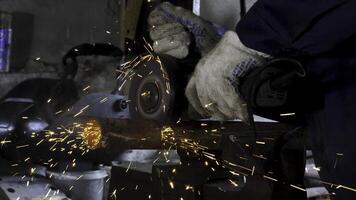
(171, 39)
(212, 90)
(169, 31)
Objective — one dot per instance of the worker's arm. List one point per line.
(213, 87)
(293, 27)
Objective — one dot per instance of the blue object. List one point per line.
(5, 41)
(322, 34)
(294, 27)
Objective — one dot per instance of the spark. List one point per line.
(82, 110)
(234, 183)
(91, 134)
(122, 85)
(345, 187)
(144, 94)
(128, 168)
(260, 156)
(86, 88)
(296, 187)
(171, 184)
(316, 168)
(38, 143)
(208, 105)
(287, 114)
(148, 44)
(189, 187)
(234, 173)
(58, 112)
(22, 146)
(253, 170)
(4, 141)
(270, 178)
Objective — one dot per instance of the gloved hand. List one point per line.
(171, 39)
(213, 88)
(169, 25)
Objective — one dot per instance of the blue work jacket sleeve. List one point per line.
(293, 27)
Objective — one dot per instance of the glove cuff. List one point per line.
(231, 38)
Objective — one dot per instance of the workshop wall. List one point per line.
(223, 12)
(54, 28)
(62, 24)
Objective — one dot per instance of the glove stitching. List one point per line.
(241, 70)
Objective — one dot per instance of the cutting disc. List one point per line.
(148, 82)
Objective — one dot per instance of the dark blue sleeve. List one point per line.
(293, 27)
